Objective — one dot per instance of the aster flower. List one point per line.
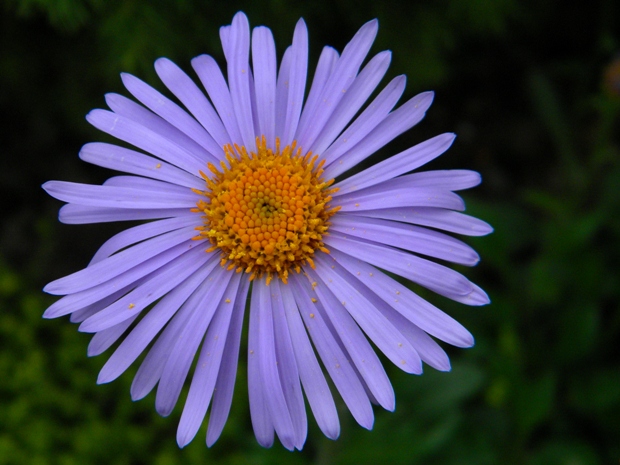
(246, 216)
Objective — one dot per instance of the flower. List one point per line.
(241, 189)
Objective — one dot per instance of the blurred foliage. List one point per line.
(531, 88)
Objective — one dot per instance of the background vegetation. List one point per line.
(532, 88)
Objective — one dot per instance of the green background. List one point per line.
(532, 88)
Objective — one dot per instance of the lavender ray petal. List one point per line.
(104, 339)
(400, 120)
(262, 421)
(430, 352)
(296, 82)
(160, 282)
(417, 310)
(140, 233)
(368, 316)
(434, 218)
(433, 276)
(359, 92)
(118, 197)
(205, 302)
(265, 69)
(239, 79)
(413, 238)
(80, 214)
(214, 83)
(152, 367)
(358, 347)
(450, 180)
(275, 398)
(424, 347)
(118, 263)
(282, 91)
(453, 180)
(148, 139)
(224, 386)
(207, 368)
(149, 185)
(149, 326)
(80, 315)
(184, 88)
(396, 165)
(287, 366)
(86, 303)
(123, 106)
(476, 297)
(170, 112)
(324, 69)
(313, 381)
(368, 120)
(399, 197)
(130, 161)
(340, 79)
(337, 362)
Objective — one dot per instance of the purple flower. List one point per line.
(246, 215)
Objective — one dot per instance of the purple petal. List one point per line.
(140, 233)
(412, 238)
(434, 218)
(143, 117)
(204, 302)
(404, 162)
(170, 112)
(282, 91)
(194, 100)
(324, 69)
(239, 78)
(152, 367)
(353, 99)
(287, 366)
(296, 82)
(336, 361)
(476, 297)
(160, 282)
(265, 66)
(130, 161)
(312, 378)
(360, 351)
(149, 140)
(149, 326)
(406, 302)
(104, 339)
(340, 79)
(262, 421)
(429, 350)
(431, 275)
(207, 367)
(117, 264)
(398, 197)
(214, 83)
(380, 331)
(268, 365)
(80, 214)
(224, 386)
(368, 120)
(118, 197)
(400, 120)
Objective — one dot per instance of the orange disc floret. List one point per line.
(267, 211)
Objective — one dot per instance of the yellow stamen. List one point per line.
(266, 211)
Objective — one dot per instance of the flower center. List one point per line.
(266, 211)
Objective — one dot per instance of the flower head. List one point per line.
(240, 187)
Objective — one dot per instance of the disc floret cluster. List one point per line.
(267, 211)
